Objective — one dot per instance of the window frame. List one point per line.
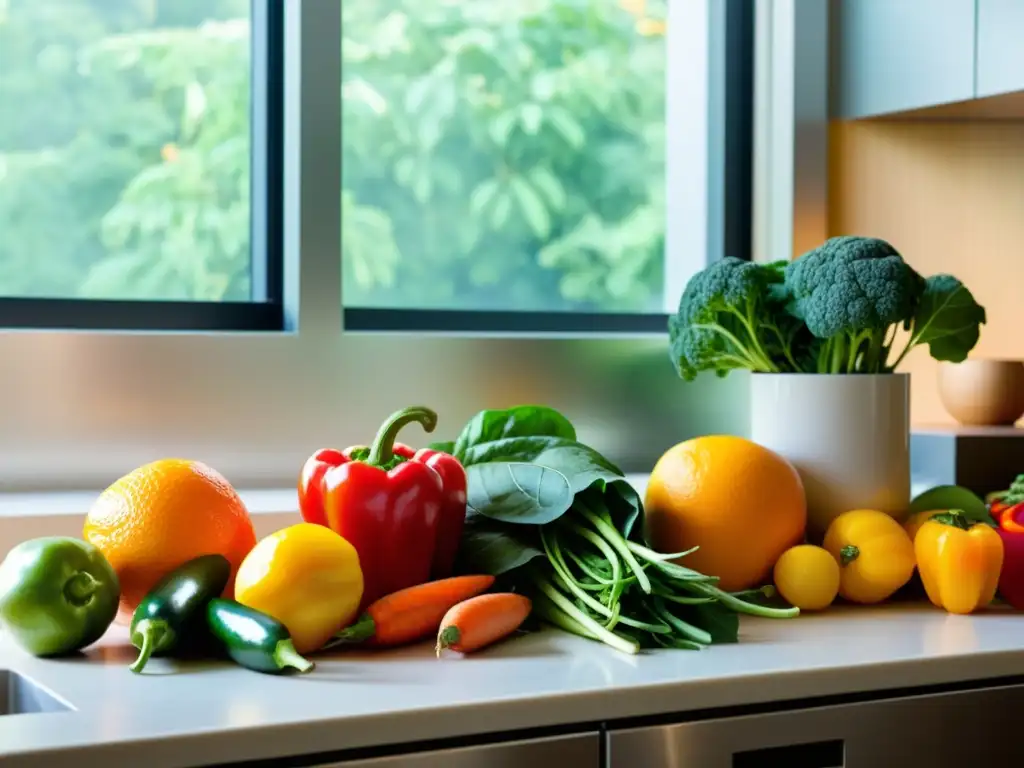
(93, 404)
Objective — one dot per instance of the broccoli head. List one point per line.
(852, 284)
(724, 320)
(851, 291)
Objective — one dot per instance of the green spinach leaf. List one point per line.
(723, 624)
(488, 546)
(447, 446)
(518, 492)
(589, 470)
(511, 449)
(520, 421)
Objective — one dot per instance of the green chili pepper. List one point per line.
(172, 616)
(253, 639)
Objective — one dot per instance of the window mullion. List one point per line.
(312, 170)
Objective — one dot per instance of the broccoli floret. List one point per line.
(852, 292)
(727, 320)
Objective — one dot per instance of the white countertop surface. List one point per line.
(204, 712)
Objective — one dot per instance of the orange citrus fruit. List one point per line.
(162, 515)
(741, 503)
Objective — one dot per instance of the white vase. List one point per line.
(847, 435)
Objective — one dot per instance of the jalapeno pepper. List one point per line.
(402, 509)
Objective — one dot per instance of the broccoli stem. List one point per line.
(838, 350)
(743, 355)
(872, 358)
(787, 347)
(758, 350)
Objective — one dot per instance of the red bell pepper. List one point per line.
(1011, 578)
(403, 510)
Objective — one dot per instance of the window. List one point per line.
(126, 152)
(510, 157)
(465, 203)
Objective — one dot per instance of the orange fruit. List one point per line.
(741, 503)
(162, 515)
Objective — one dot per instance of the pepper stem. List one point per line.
(152, 632)
(447, 637)
(848, 554)
(285, 655)
(954, 517)
(80, 588)
(383, 449)
(362, 630)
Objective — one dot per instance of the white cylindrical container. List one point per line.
(848, 436)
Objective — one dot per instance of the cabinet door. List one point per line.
(1000, 46)
(938, 731)
(896, 55)
(576, 751)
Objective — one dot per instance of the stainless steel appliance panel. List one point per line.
(949, 730)
(582, 750)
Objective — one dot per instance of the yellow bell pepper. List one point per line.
(875, 554)
(959, 562)
(913, 523)
(307, 577)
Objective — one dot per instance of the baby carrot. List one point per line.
(482, 620)
(410, 614)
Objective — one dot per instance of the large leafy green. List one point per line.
(518, 492)
(948, 319)
(530, 421)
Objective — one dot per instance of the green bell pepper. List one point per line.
(57, 595)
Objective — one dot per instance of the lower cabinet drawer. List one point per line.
(582, 750)
(949, 730)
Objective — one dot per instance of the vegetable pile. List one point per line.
(839, 308)
(558, 522)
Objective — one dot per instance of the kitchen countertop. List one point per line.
(203, 713)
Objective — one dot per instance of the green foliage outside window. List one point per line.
(495, 154)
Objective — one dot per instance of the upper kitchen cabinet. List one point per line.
(1000, 47)
(899, 55)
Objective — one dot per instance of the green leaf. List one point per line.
(532, 207)
(510, 449)
(567, 126)
(723, 624)
(501, 210)
(446, 446)
(501, 127)
(530, 116)
(948, 319)
(482, 196)
(519, 421)
(517, 492)
(489, 546)
(549, 185)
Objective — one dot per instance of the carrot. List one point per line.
(410, 614)
(482, 620)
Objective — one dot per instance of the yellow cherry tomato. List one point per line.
(875, 554)
(807, 577)
(307, 577)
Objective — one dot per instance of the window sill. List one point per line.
(28, 515)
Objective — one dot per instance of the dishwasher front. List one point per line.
(941, 730)
(573, 751)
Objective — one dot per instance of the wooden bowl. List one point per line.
(983, 393)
